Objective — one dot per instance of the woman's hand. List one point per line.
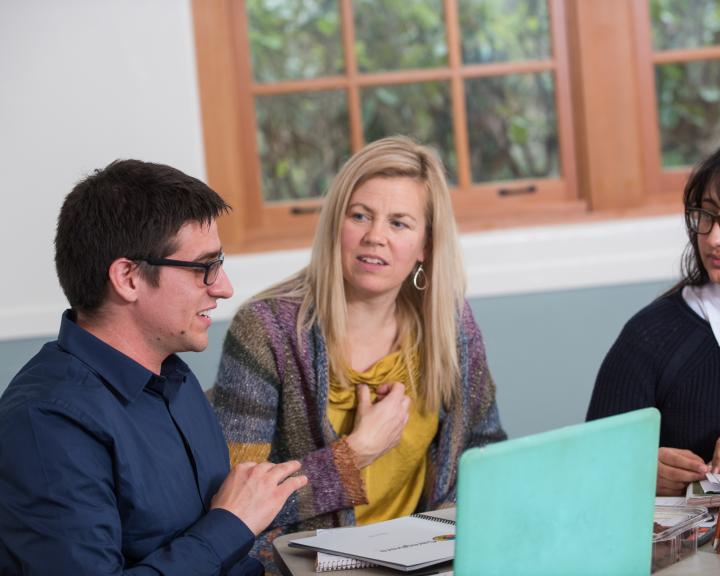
(676, 469)
(715, 464)
(378, 427)
(382, 391)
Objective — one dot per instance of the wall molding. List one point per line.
(499, 262)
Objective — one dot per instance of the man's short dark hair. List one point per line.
(130, 209)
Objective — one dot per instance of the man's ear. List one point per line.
(124, 279)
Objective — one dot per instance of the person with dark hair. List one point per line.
(111, 459)
(667, 355)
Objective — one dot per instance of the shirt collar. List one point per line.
(121, 372)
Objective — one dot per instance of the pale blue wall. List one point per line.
(544, 350)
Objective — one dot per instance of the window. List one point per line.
(541, 109)
(681, 40)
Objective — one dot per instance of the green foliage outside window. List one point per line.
(504, 30)
(399, 34)
(688, 111)
(512, 127)
(688, 94)
(303, 141)
(294, 39)
(423, 111)
(678, 24)
(303, 137)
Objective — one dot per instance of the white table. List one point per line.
(299, 562)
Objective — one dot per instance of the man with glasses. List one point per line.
(111, 459)
(668, 354)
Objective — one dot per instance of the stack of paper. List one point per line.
(407, 543)
(705, 492)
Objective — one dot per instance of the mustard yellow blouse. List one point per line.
(394, 482)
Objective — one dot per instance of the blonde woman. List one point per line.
(367, 365)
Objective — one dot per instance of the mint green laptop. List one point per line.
(573, 501)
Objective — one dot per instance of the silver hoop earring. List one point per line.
(420, 280)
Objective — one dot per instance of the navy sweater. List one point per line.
(666, 356)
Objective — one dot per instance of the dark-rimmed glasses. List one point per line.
(700, 221)
(212, 268)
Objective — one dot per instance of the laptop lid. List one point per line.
(577, 500)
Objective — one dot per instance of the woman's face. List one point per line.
(709, 244)
(382, 236)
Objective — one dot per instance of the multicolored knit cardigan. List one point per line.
(271, 397)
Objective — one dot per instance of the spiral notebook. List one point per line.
(327, 562)
(405, 544)
(330, 562)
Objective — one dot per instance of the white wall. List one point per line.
(83, 82)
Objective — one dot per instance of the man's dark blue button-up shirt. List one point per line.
(107, 468)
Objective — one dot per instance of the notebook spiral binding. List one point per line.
(434, 518)
(327, 562)
(344, 564)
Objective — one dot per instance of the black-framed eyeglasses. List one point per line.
(212, 268)
(700, 221)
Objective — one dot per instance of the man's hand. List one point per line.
(676, 469)
(255, 493)
(378, 427)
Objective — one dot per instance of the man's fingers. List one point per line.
(264, 467)
(291, 484)
(242, 469)
(280, 472)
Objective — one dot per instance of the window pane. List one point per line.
(421, 111)
(502, 30)
(399, 34)
(688, 97)
(303, 141)
(511, 126)
(294, 39)
(685, 23)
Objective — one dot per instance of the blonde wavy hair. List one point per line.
(432, 316)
